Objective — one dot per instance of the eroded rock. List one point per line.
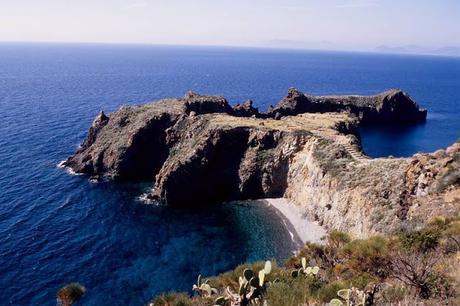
(393, 106)
(199, 150)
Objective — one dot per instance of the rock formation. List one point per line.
(393, 106)
(199, 150)
(245, 110)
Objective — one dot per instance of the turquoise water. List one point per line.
(57, 228)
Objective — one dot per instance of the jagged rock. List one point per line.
(393, 106)
(245, 110)
(133, 143)
(199, 104)
(98, 123)
(220, 158)
(198, 150)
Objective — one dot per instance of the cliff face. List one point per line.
(373, 195)
(132, 144)
(393, 106)
(220, 157)
(199, 150)
(128, 145)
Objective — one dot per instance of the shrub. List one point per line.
(422, 241)
(172, 299)
(362, 280)
(230, 279)
(335, 241)
(70, 293)
(424, 261)
(415, 270)
(289, 293)
(293, 262)
(329, 291)
(370, 255)
(452, 237)
(312, 251)
(393, 294)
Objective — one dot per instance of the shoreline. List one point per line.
(299, 227)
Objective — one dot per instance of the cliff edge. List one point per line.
(391, 107)
(199, 150)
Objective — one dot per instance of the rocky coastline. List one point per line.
(198, 150)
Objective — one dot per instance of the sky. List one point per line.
(320, 24)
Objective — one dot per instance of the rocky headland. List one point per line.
(199, 150)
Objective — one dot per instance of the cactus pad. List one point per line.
(267, 267)
(248, 274)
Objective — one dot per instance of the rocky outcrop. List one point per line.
(199, 150)
(98, 123)
(130, 144)
(246, 110)
(393, 106)
(378, 195)
(198, 104)
(215, 158)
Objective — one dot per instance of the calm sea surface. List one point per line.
(56, 228)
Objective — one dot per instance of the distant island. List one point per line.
(324, 45)
(415, 49)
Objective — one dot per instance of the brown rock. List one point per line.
(393, 106)
(199, 150)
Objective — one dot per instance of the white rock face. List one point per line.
(367, 196)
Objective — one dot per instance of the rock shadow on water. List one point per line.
(394, 140)
(151, 249)
(269, 235)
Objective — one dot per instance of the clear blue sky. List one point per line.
(333, 24)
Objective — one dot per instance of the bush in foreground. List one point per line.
(69, 294)
(418, 267)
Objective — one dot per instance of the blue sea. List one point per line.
(57, 228)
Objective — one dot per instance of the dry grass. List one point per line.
(323, 124)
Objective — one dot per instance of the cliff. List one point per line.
(199, 150)
(393, 106)
(365, 196)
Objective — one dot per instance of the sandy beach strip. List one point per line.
(298, 226)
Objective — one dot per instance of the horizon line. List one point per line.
(282, 48)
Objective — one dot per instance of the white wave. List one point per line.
(146, 199)
(93, 180)
(69, 170)
(61, 164)
(290, 233)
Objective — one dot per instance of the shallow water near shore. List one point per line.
(57, 228)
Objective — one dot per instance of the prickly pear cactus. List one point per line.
(203, 288)
(305, 269)
(248, 274)
(267, 267)
(220, 301)
(335, 302)
(352, 297)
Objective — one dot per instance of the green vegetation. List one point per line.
(70, 293)
(251, 288)
(309, 271)
(172, 298)
(416, 267)
(203, 288)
